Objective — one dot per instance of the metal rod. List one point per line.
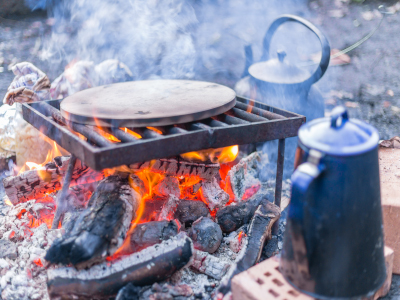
(123, 136)
(82, 129)
(214, 123)
(242, 114)
(146, 133)
(279, 179)
(258, 111)
(171, 130)
(231, 120)
(62, 195)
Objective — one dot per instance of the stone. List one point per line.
(8, 249)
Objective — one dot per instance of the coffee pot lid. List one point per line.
(339, 135)
(278, 71)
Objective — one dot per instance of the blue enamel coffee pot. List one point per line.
(333, 245)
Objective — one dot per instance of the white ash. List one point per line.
(21, 277)
(210, 265)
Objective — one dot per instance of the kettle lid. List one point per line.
(278, 71)
(339, 135)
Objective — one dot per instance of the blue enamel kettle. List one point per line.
(333, 246)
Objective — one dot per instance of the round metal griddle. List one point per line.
(148, 103)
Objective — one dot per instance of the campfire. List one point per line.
(149, 211)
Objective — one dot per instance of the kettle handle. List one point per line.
(302, 177)
(326, 49)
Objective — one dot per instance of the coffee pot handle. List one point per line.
(326, 49)
(302, 177)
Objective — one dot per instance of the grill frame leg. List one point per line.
(279, 179)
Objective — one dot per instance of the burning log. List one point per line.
(189, 211)
(169, 208)
(209, 264)
(153, 264)
(233, 216)
(37, 183)
(259, 232)
(101, 229)
(206, 235)
(243, 175)
(149, 234)
(213, 195)
(179, 167)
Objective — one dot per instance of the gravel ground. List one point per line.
(368, 85)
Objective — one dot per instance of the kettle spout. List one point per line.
(248, 53)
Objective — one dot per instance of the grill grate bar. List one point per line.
(246, 115)
(234, 127)
(261, 112)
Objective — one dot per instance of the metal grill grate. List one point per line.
(235, 127)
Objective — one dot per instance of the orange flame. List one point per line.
(136, 135)
(219, 155)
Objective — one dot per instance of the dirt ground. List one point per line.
(368, 85)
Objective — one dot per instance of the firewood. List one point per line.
(101, 229)
(179, 167)
(233, 216)
(149, 234)
(153, 264)
(259, 231)
(37, 183)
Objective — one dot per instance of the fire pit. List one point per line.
(135, 205)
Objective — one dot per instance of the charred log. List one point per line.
(206, 235)
(101, 229)
(208, 264)
(243, 176)
(179, 167)
(168, 186)
(169, 208)
(102, 281)
(189, 211)
(129, 292)
(213, 195)
(232, 217)
(35, 184)
(149, 234)
(259, 232)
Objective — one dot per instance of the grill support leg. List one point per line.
(62, 195)
(279, 179)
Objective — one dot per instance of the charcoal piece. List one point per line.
(168, 186)
(233, 216)
(213, 195)
(101, 228)
(160, 296)
(8, 249)
(205, 234)
(169, 208)
(137, 184)
(189, 211)
(259, 232)
(129, 292)
(149, 234)
(209, 264)
(102, 281)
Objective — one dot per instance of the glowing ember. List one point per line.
(38, 262)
